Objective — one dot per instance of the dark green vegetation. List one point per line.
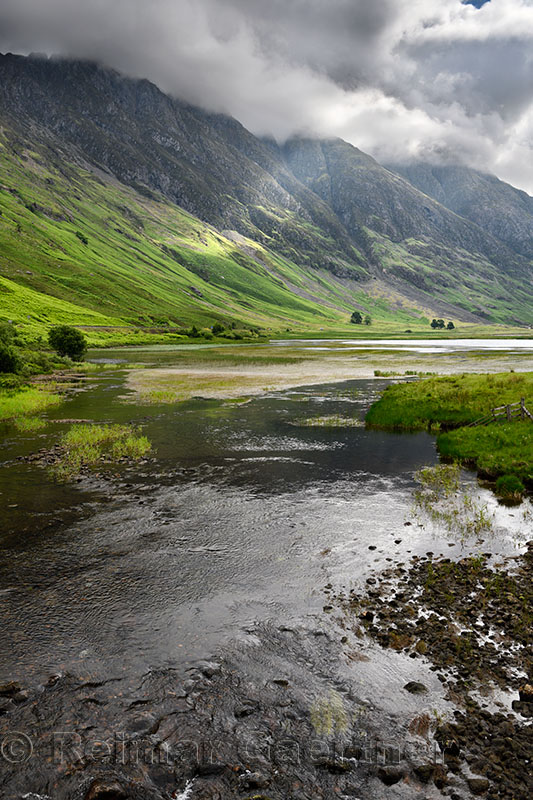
(68, 341)
(509, 487)
(87, 446)
(143, 216)
(495, 450)
(500, 449)
(448, 612)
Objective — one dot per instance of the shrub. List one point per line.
(9, 360)
(357, 318)
(81, 236)
(68, 341)
(8, 333)
(218, 329)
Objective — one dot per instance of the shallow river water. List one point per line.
(235, 526)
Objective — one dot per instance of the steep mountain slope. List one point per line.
(81, 247)
(416, 239)
(496, 206)
(189, 217)
(153, 142)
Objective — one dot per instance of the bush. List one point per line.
(9, 360)
(68, 341)
(218, 329)
(356, 318)
(8, 333)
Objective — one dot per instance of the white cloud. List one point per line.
(433, 79)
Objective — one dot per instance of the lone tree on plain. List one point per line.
(68, 341)
(357, 318)
(450, 326)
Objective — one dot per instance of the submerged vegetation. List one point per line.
(441, 497)
(85, 446)
(332, 421)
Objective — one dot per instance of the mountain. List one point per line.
(122, 206)
(497, 207)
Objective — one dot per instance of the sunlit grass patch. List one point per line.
(332, 421)
(159, 396)
(29, 424)
(26, 402)
(449, 401)
(86, 446)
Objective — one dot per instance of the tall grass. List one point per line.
(89, 445)
(26, 402)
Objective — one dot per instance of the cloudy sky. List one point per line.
(439, 80)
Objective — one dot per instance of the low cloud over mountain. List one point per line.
(437, 80)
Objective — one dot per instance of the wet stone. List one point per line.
(415, 687)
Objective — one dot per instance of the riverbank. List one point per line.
(472, 620)
(501, 451)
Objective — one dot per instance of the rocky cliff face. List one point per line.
(503, 211)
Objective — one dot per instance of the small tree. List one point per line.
(450, 326)
(356, 318)
(68, 341)
(218, 329)
(368, 320)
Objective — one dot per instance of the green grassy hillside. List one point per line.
(81, 248)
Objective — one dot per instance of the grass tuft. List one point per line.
(29, 424)
(85, 446)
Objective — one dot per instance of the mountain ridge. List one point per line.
(323, 207)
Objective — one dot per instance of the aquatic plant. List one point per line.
(332, 421)
(85, 446)
(442, 499)
(28, 424)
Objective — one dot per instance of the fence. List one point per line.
(505, 414)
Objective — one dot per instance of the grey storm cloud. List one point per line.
(431, 79)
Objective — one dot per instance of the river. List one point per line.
(220, 543)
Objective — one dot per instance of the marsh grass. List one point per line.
(86, 446)
(29, 424)
(447, 401)
(440, 497)
(27, 401)
(332, 421)
(497, 449)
